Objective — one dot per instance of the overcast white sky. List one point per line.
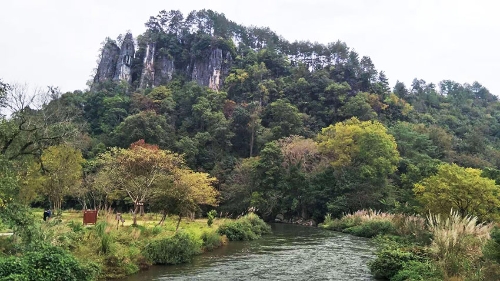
(56, 42)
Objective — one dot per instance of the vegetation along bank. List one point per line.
(199, 113)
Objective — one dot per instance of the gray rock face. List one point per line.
(158, 67)
(212, 70)
(107, 64)
(148, 68)
(124, 62)
(164, 69)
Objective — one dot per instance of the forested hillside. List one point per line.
(297, 129)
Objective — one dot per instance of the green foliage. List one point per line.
(21, 220)
(283, 119)
(76, 226)
(146, 125)
(211, 240)
(462, 189)
(371, 228)
(457, 242)
(492, 248)
(48, 263)
(418, 271)
(173, 250)
(248, 227)
(211, 216)
(389, 262)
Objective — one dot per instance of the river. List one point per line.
(291, 253)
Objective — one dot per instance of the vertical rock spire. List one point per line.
(107, 64)
(148, 68)
(124, 62)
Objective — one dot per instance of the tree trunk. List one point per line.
(178, 222)
(162, 220)
(252, 140)
(136, 209)
(141, 210)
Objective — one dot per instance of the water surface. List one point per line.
(291, 253)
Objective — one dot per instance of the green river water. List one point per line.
(291, 253)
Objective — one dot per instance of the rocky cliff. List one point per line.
(211, 71)
(158, 68)
(124, 62)
(108, 62)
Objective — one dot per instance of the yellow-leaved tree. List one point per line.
(461, 189)
(149, 175)
(363, 154)
(365, 145)
(57, 174)
(184, 194)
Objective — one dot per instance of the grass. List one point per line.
(148, 220)
(433, 248)
(121, 250)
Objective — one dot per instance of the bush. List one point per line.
(418, 271)
(237, 231)
(458, 242)
(47, 264)
(211, 216)
(492, 248)
(389, 262)
(173, 250)
(75, 226)
(371, 228)
(341, 224)
(249, 227)
(211, 240)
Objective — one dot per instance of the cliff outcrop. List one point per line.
(158, 68)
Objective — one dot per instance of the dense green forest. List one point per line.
(299, 129)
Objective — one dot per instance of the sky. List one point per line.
(56, 42)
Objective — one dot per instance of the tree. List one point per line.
(146, 125)
(3, 94)
(362, 144)
(138, 171)
(283, 118)
(236, 192)
(363, 155)
(38, 120)
(462, 189)
(184, 193)
(358, 106)
(57, 174)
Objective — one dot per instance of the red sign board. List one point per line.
(89, 217)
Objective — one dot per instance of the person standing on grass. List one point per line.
(45, 214)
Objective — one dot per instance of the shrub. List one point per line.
(249, 227)
(237, 231)
(259, 226)
(371, 228)
(458, 242)
(173, 250)
(211, 216)
(47, 264)
(492, 248)
(341, 224)
(418, 271)
(356, 219)
(413, 227)
(211, 240)
(120, 262)
(389, 262)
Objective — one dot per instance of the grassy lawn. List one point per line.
(149, 220)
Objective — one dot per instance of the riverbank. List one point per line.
(112, 250)
(431, 248)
